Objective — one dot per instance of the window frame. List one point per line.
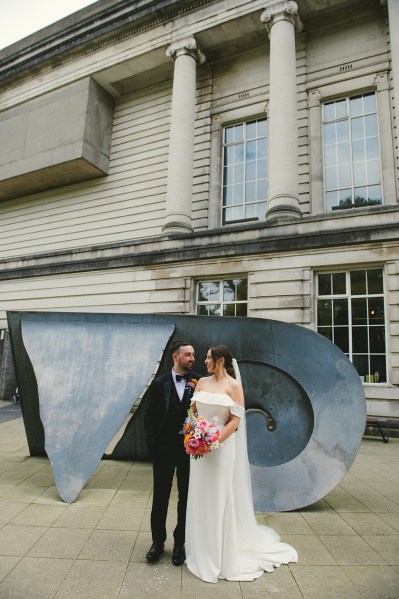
(222, 117)
(347, 86)
(221, 301)
(349, 118)
(349, 297)
(245, 166)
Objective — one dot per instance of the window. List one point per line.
(228, 297)
(352, 170)
(350, 312)
(245, 171)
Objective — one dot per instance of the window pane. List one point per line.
(330, 156)
(241, 309)
(330, 135)
(233, 213)
(242, 289)
(370, 125)
(359, 173)
(325, 284)
(359, 311)
(375, 194)
(342, 131)
(356, 106)
(261, 149)
(228, 195)
(228, 291)
(227, 175)
(358, 282)
(345, 197)
(331, 199)
(369, 103)
(229, 310)
(228, 155)
(374, 280)
(372, 149)
(251, 150)
(229, 135)
(361, 363)
(378, 368)
(343, 153)
(261, 189)
(250, 171)
(344, 176)
(324, 312)
(377, 340)
(339, 283)
(341, 338)
(357, 127)
(373, 171)
(251, 130)
(238, 173)
(261, 169)
(329, 111)
(376, 310)
(360, 340)
(250, 192)
(326, 332)
(202, 310)
(261, 210)
(262, 128)
(340, 311)
(331, 177)
(238, 153)
(208, 291)
(361, 196)
(358, 150)
(251, 210)
(238, 191)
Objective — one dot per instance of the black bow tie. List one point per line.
(179, 377)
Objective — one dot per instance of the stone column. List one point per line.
(186, 54)
(282, 21)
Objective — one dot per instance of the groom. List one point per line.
(167, 403)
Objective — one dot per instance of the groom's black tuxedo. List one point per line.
(163, 421)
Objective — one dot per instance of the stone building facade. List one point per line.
(234, 157)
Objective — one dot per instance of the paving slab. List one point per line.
(348, 542)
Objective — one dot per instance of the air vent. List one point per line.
(243, 95)
(345, 67)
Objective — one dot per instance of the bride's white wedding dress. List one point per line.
(223, 538)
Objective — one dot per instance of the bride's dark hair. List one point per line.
(222, 351)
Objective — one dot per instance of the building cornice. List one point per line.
(323, 232)
(84, 32)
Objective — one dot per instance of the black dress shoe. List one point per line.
(154, 552)
(178, 555)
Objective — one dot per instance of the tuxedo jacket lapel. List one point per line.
(168, 390)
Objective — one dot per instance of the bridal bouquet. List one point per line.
(200, 436)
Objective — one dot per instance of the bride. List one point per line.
(223, 539)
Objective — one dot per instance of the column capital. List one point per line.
(286, 11)
(188, 46)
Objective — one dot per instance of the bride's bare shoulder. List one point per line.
(202, 383)
(236, 393)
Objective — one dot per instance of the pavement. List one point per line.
(348, 542)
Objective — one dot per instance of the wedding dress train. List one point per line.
(223, 538)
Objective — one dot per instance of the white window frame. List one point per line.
(348, 296)
(378, 82)
(220, 302)
(220, 119)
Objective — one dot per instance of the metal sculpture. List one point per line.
(305, 403)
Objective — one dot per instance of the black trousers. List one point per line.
(167, 461)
